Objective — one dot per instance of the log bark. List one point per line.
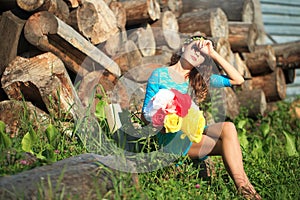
(213, 22)
(273, 85)
(92, 84)
(94, 20)
(57, 180)
(260, 62)
(133, 56)
(141, 11)
(10, 31)
(235, 10)
(242, 68)
(120, 12)
(72, 3)
(287, 54)
(144, 39)
(222, 46)
(165, 30)
(48, 33)
(113, 45)
(57, 7)
(44, 81)
(242, 36)
(175, 6)
(149, 63)
(232, 105)
(13, 120)
(30, 5)
(254, 101)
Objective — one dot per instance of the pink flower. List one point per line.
(197, 186)
(158, 118)
(24, 162)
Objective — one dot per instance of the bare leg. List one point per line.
(221, 139)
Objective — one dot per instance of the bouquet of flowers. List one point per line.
(176, 111)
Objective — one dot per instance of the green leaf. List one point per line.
(257, 148)
(290, 144)
(241, 124)
(27, 143)
(52, 133)
(100, 111)
(5, 140)
(243, 140)
(265, 129)
(40, 156)
(2, 127)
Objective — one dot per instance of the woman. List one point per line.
(190, 72)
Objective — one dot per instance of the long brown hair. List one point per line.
(199, 76)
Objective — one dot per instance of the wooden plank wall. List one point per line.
(282, 22)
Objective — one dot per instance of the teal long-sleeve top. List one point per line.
(160, 79)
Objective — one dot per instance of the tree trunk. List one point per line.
(57, 7)
(144, 39)
(261, 61)
(273, 85)
(118, 9)
(48, 33)
(113, 45)
(235, 10)
(213, 22)
(141, 11)
(133, 55)
(13, 120)
(44, 81)
(10, 31)
(165, 30)
(149, 63)
(254, 101)
(242, 68)
(175, 6)
(232, 105)
(222, 46)
(94, 20)
(287, 54)
(57, 180)
(89, 87)
(242, 36)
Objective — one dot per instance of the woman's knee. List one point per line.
(229, 129)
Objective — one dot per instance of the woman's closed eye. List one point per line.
(196, 49)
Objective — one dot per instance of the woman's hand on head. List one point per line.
(205, 46)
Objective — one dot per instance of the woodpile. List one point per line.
(48, 47)
(104, 42)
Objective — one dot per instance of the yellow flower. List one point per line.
(193, 125)
(172, 123)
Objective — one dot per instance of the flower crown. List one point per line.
(194, 38)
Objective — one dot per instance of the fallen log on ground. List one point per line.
(79, 177)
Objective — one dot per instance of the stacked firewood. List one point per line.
(47, 46)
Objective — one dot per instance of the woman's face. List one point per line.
(192, 54)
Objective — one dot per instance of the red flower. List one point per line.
(183, 102)
(158, 118)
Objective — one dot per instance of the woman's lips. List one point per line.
(194, 58)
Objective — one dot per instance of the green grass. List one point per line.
(270, 150)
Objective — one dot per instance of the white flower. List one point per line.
(161, 99)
